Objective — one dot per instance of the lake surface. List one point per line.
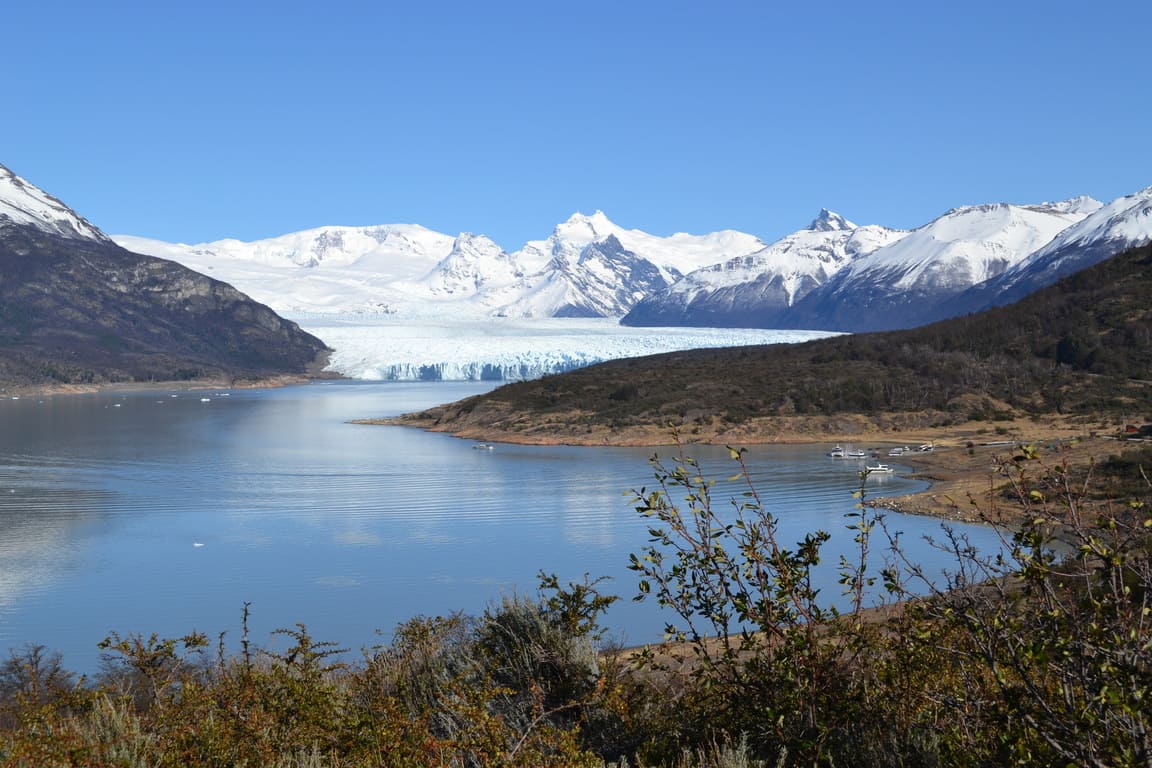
(165, 511)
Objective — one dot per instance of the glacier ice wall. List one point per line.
(386, 349)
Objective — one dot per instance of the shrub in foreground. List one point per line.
(1040, 653)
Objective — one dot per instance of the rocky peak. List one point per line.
(827, 221)
(25, 204)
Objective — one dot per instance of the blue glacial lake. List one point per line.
(165, 511)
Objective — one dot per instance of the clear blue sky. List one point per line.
(198, 121)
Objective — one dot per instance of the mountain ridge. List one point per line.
(22, 203)
(78, 309)
(500, 283)
(831, 275)
(1108, 229)
(899, 285)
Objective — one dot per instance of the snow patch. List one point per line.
(26, 204)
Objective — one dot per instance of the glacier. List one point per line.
(384, 348)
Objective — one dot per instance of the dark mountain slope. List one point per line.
(83, 310)
(1082, 345)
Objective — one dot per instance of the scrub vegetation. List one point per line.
(1038, 655)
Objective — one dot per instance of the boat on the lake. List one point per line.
(879, 469)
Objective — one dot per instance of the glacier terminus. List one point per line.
(401, 302)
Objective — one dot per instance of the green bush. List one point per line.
(1026, 656)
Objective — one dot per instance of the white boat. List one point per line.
(836, 453)
(879, 469)
(926, 447)
(856, 454)
(483, 447)
(898, 451)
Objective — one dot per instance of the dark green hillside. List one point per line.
(1082, 345)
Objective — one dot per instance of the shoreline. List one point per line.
(965, 483)
(970, 484)
(499, 424)
(961, 470)
(66, 390)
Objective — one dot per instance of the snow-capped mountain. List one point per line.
(327, 269)
(23, 204)
(832, 275)
(87, 308)
(835, 275)
(588, 266)
(679, 252)
(604, 280)
(900, 284)
(753, 290)
(1118, 226)
(79, 309)
(829, 221)
(474, 265)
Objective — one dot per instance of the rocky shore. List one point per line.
(971, 481)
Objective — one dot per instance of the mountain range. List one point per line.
(76, 308)
(1079, 348)
(900, 283)
(587, 267)
(1122, 224)
(831, 275)
(840, 276)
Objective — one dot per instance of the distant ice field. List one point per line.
(389, 349)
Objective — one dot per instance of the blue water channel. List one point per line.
(167, 510)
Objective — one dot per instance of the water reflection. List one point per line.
(161, 512)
